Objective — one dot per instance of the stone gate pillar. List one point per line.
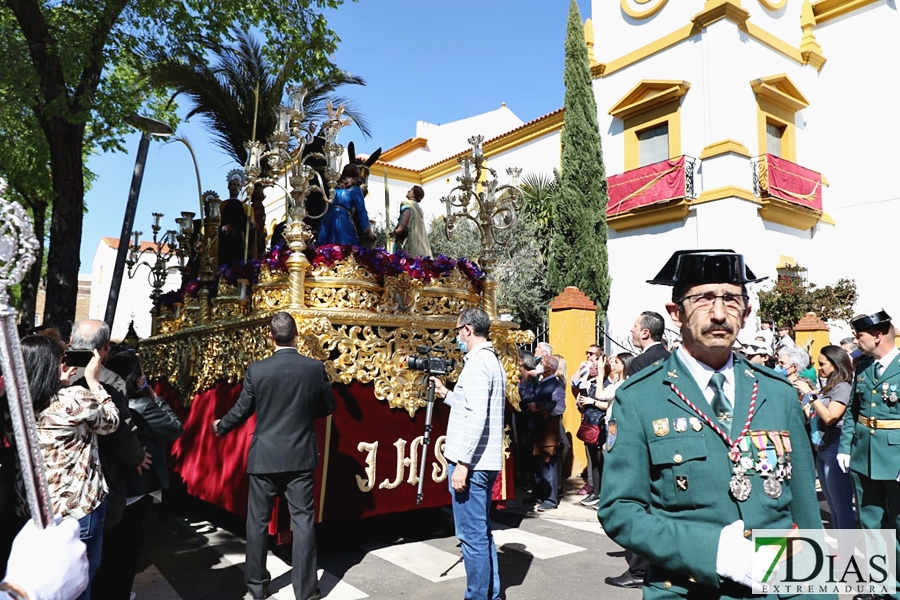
(811, 329)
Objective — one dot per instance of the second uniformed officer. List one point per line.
(705, 446)
(870, 440)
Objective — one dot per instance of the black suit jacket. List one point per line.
(648, 357)
(286, 391)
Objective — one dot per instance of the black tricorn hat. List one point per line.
(692, 267)
(869, 321)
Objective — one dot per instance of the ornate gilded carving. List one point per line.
(505, 341)
(345, 294)
(401, 294)
(346, 268)
(270, 296)
(267, 275)
(446, 296)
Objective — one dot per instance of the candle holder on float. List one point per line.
(155, 256)
(287, 168)
(492, 207)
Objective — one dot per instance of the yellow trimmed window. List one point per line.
(651, 115)
(777, 102)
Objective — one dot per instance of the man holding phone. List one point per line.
(120, 451)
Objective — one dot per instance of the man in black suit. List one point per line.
(647, 334)
(287, 391)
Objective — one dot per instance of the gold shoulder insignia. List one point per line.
(672, 374)
(749, 373)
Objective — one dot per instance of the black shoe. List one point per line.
(591, 500)
(625, 580)
(867, 597)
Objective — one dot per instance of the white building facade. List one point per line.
(134, 294)
(738, 86)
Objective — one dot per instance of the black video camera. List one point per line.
(431, 364)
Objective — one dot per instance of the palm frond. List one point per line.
(223, 90)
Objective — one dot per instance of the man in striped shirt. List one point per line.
(474, 450)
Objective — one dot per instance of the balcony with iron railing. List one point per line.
(789, 194)
(650, 195)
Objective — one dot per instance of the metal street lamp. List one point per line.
(149, 127)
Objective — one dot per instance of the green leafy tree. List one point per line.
(791, 298)
(523, 290)
(74, 62)
(578, 254)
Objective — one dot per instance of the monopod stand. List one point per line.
(426, 440)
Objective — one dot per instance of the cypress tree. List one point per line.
(578, 253)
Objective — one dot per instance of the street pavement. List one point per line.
(194, 552)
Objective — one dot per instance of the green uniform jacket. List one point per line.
(874, 453)
(645, 506)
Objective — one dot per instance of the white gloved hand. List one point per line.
(843, 461)
(735, 556)
(61, 547)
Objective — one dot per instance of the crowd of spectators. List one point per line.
(102, 434)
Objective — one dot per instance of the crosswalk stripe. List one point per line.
(232, 549)
(589, 526)
(423, 560)
(336, 589)
(538, 546)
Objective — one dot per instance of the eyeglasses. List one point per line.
(456, 329)
(731, 302)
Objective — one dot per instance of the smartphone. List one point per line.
(78, 358)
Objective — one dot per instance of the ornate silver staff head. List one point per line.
(17, 250)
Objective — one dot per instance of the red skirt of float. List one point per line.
(368, 457)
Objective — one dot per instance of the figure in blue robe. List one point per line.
(346, 221)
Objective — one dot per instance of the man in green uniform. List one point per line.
(705, 446)
(870, 438)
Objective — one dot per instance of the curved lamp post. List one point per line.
(149, 127)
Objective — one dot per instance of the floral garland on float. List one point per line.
(377, 262)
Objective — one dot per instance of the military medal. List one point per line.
(696, 425)
(884, 391)
(786, 441)
(679, 424)
(661, 427)
(892, 397)
(780, 467)
(763, 467)
(772, 487)
(739, 485)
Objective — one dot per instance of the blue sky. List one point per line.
(422, 60)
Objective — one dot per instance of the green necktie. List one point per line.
(877, 370)
(720, 404)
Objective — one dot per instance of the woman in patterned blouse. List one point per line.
(68, 421)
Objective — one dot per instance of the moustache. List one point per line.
(718, 327)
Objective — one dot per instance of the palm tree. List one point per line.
(238, 87)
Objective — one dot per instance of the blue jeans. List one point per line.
(548, 489)
(471, 514)
(92, 536)
(836, 486)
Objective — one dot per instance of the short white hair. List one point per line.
(798, 357)
(544, 346)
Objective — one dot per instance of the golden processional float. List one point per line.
(363, 312)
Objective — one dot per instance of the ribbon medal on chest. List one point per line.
(739, 485)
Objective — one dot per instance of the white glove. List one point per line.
(735, 560)
(34, 549)
(843, 461)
